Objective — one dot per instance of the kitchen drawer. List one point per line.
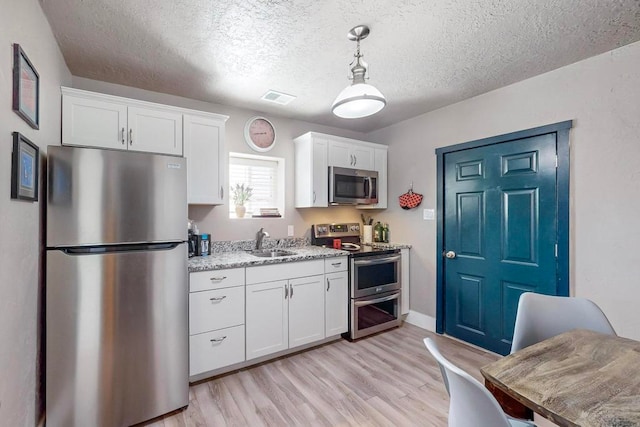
(217, 309)
(216, 279)
(331, 265)
(287, 270)
(216, 349)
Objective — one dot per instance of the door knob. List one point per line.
(450, 254)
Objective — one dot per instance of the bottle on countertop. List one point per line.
(205, 244)
(385, 233)
(377, 232)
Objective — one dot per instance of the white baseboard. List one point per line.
(421, 320)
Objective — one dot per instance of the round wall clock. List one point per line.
(260, 134)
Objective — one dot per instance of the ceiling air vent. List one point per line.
(278, 97)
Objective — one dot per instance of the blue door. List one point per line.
(499, 235)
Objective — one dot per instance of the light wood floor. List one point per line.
(385, 380)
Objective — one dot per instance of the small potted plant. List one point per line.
(241, 194)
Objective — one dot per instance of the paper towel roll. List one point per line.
(367, 233)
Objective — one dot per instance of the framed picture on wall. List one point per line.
(26, 88)
(25, 163)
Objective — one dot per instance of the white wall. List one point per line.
(21, 235)
(602, 96)
(216, 219)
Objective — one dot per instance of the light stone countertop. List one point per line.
(233, 259)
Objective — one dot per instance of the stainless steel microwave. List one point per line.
(352, 186)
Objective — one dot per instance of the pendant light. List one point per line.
(359, 99)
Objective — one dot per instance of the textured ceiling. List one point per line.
(422, 54)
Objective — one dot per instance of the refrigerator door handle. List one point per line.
(128, 247)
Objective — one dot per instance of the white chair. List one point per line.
(470, 403)
(543, 316)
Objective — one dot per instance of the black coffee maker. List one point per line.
(199, 244)
(192, 240)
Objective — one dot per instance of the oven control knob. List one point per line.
(450, 254)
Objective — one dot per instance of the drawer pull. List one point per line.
(336, 264)
(218, 299)
(218, 279)
(218, 340)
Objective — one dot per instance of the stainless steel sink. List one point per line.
(270, 253)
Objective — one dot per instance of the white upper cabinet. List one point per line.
(92, 119)
(380, 166)
(97, 120)
(155, 130)
(349, 155)
(315, 152)
(93, 122)
(312, 173)
(204, 150)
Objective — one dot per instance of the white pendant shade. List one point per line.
(358, 100)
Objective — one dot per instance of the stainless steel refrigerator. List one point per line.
(116, 287)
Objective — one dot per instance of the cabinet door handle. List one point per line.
(218, 279)
(286, 291)
(217, 299)
(336, 264)
(355, 160)
(122, 136)
(328, 284)
(314, 197)
(351, 159)
(290, 291)
(130, 136)
(221, 192)
(218, 340)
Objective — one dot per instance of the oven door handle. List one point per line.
(374, 261)
(377, 300)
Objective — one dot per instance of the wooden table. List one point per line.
(579, 378)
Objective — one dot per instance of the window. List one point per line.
(265, 176)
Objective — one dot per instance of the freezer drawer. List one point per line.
(116, 336)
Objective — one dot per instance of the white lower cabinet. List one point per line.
(284, 314)
(306, 310)
(336, 299)
(267, 321)
(216, 320)
(241, 314)
(336, 303)
(287, 311)
(216, 349)
(405, 271)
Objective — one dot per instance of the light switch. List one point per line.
(428, 214)
(290, 231)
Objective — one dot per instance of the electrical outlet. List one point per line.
(290, 231)
(428, 214)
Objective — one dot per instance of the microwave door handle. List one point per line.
(382, 260)
(377, 300)
(367, 187)
(370, 187)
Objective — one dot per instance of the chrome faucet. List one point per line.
(260, 235)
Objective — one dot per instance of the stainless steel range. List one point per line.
(374, 284)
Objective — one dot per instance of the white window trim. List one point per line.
(280, 184)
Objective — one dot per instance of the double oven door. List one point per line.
(375, 294)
